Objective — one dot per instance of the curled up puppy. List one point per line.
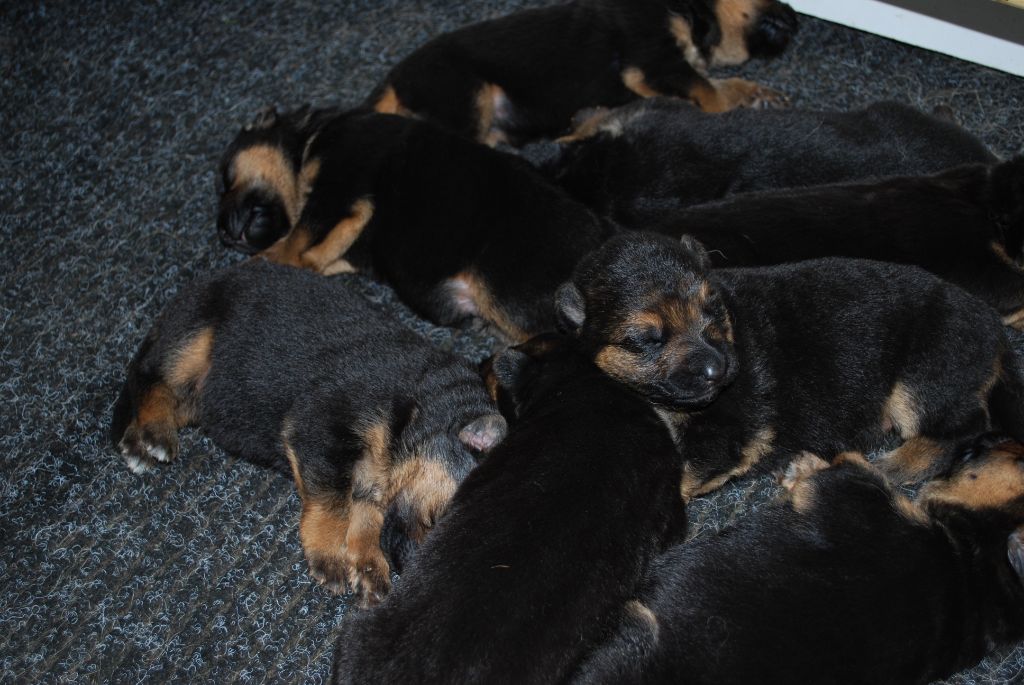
(524, 75)
(842, 581)
(831, 354)
(543, 541)
(298, 372)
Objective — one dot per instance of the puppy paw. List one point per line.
(144, 446)
(803, 466)
(329, 571)
(369, 576)
(737, 92)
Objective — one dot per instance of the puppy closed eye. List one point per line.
(644, 339)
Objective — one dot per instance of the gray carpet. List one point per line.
(113, 115)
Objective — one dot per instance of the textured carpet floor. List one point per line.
(112, 117)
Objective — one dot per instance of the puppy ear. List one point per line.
(266, 118)
(696, 250)
(1015, 551)
(484, 433)
(570, 308)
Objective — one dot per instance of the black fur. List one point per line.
(842, 586)
(549, 63)
(462, 232)
(825, 355)
(543, 541)
(660, 154)
(306, 360)
(965, 225)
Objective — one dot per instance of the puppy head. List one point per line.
(987, 477)
(643, 308)
(258, 180)
(749, 29)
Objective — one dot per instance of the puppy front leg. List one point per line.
(317, 244)
(679, 79)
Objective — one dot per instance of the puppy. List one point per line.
(832, 354)
(639, 161)
(298, 372)
(843, 581)
(524, 75)
(965, 225)
(465, 234)
(542, 543)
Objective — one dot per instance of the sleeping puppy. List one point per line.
(523, 76)
(290, 370)
(465, 234)
(843, 581)
(542, 543)
(965, 225)
(658, 155)
(832, 354)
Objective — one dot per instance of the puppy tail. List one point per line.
(1006, 402)
(1006, 202)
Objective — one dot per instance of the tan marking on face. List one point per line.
(388, 103)
(912, 460)
(340, 238)
(901, 412)
(618, 363)
(798, 480)
(267, 166)
(681, 32)
(694, 485)
(426, 487)
(190, 364)
(993, 481)
(636, 81)
(734, 18)
(643, 614)
(476, 297)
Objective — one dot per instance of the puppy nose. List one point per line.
(714, 370)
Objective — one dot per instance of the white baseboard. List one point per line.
(918, 29)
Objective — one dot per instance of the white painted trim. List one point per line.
(917, 29)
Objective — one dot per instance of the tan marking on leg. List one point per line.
(1015, 320)
(635, 80)
(643, 615)
(368, 570)
(267, 166)
(339, 266)
(426, 488)
(388, 103)
(798, 480)
(289, 248)
(910, 510)
(293, 459)
(985, 391)
(999, 250)
(722, 95)
(323, 531)
(755, 450)
(340, 239)
(488, 101)
(473, 297)
(912, 460)
(589, 127)
(680, 30)
(901, 412)
(307, 177)
(190, 364)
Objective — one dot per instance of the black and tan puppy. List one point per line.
(525, 75)
(543, 541)
(638, 161)
(462, 232)
(287, 369)
(843, 581)
(830, 354)
(965, 225)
